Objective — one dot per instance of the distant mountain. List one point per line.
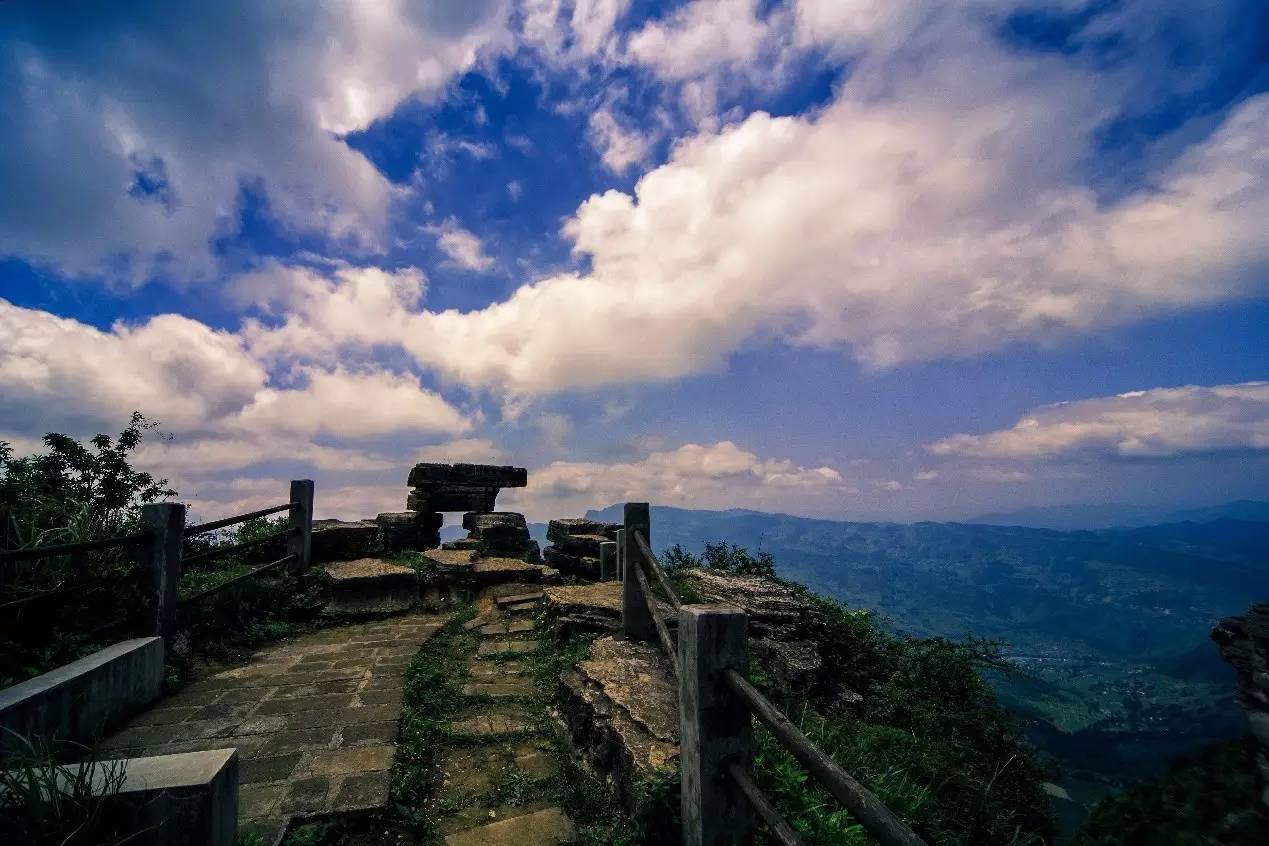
(1110, 627)
(1105, 516)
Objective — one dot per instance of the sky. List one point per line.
(855, 259)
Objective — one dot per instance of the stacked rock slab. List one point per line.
(1244, 643)
(460, 487)
(501, 534)
(574, 548)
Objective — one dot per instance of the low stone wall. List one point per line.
(81, 700)
(189, 799)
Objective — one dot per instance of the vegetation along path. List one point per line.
(315, 720)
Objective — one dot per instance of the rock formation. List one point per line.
(500, 534)
(460, 487)
(1244, 643)
(574, 548)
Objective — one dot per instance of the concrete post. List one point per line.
(713, 725)
(164, 524)
(607, 561)
(300, 544)
(621, 555)
(636, 617)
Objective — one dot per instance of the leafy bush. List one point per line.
(58, 609)
(44, 804)
(73, 492)
(728, 558)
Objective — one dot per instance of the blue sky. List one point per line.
(845, 258)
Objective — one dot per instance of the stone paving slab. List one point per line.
(314, 720)
(509, 647)
(546, 827)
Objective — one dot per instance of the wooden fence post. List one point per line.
(621, 555)
(713, 725)
(300, 544)
(164, 524)
(607, 561)
(636, 616)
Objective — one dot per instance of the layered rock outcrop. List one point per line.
(1244, 643)
(501, 534)
(574, 545)
(621, 707)
(409, 530)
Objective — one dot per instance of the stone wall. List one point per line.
(574, 548)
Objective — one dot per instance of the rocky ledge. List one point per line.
(1244, 643)
(621, 707)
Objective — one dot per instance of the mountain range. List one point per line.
(1107, 628)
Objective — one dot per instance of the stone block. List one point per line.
(79, 701)
(336, 540)
(370, 587)
(468, 474)
(452, 498)
(409, 530)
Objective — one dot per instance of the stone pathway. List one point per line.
(314, 720)
(501, 751)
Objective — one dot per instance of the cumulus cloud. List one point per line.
(717, 475)
(60, 374)
(208, 388)
(464, 248)
(1157, 423)
(935, 208)
(131, 131)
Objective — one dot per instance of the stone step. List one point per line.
(518, 598)
(511, 688)
(547, 827)
(522, 607)
(503, 629)
(511, 647)
(492, 726)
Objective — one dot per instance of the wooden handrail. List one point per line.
(663, 633)
(203, 594)
(238, 547)
(877, 819)
(54, 550)
(657, 571)
(781, 830)
(204, 528)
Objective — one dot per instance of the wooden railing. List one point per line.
(717, 705)
(161, 543)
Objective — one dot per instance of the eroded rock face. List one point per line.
(370, 587)
(1244, 643)
(621, 707)
(336, 540)
(591, 608)
(460, 487)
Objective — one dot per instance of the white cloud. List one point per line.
(619, 148)
(719, 475)
(1158, 423)
(128, 138)
(342, 404)
(58, 374)
(464, 248)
